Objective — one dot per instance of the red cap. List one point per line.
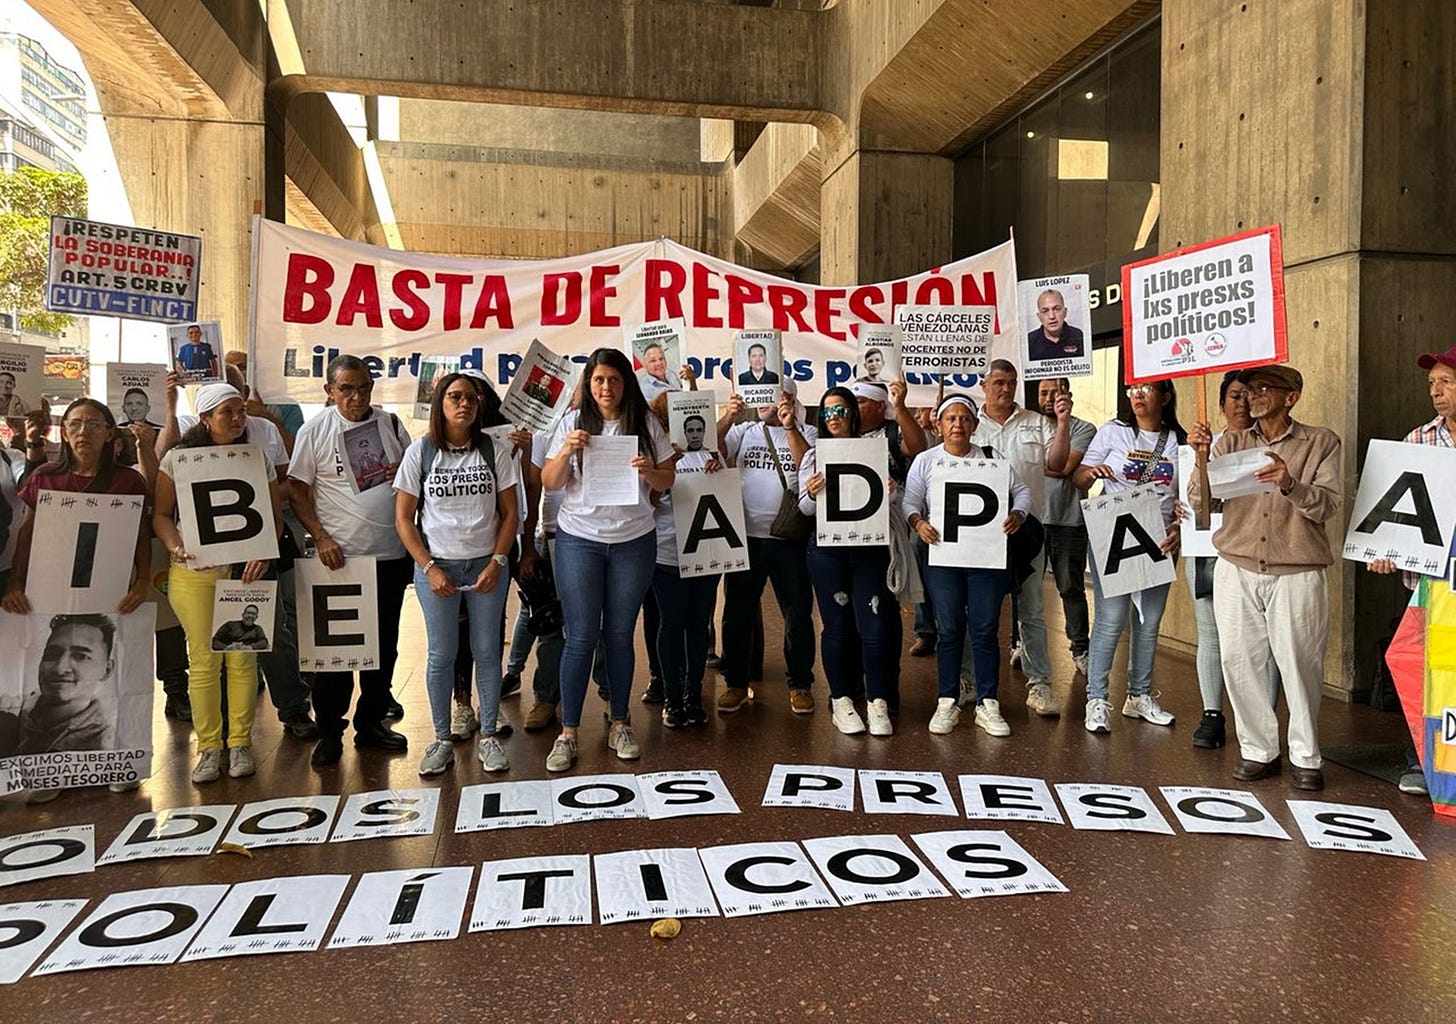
(1446, 358)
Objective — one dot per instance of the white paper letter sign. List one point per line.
(1107, 808)
(681, 794)
(179, 832)
(986, 864)
(27, 929)
(707, 514)
(338, 615)
(387, 813)
(1328, 826)
(641, 884)
(1008, 798)
(54, 852)
(826, 787)
(287, 821)
(494, 805)
(414, 905)
(1405, 509)
(893, 792)
(872, 869)
(274, 915)
(1123, 534)
(968, 502)
(764, 878)
(86, 559)
(854, 507)
(1226, 812)
(136, 929)
(532, 892)
(223, 507)
(596, 798)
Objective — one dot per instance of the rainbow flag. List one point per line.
(1422, 660)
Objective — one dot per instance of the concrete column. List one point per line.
(884, 215)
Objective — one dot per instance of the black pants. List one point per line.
(332, 690)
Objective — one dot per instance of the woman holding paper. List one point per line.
(963, 598)
(455, 508)
(606, 538)
(1139, 447)
(849, 586)
(222, 420)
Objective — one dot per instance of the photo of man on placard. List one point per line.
(136, 406)
(1055, 338)
(196, 359)
(75, 706)
(11, 404)
(695, 429)
(758, 372)
(242, 634)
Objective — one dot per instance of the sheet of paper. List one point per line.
(1232, 475)
(607, 474)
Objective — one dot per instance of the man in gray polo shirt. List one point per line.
(1066, 533)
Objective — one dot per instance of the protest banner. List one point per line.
(76, 699)
(1214, 306)
(1057, 324)
(969, 500)
(338, 615)
(22, 378)
(137, 393)
(71, 531)
(196, 351)
(946, 339)
(224, 510)
(657, 354)
(316, 296)
(853, 509)
(371, 454)
(707, 512)
(243, 615)
(880, 346)
(433, 369)
(692, 420)
(541, 391)
(1405, 508)
(1123, 534)
(758, 359)
(115, 270)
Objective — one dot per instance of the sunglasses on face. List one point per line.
(836, 412)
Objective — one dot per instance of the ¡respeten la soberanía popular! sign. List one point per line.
(118, 270)
(1214, 306)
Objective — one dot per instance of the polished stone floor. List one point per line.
(1153, 928)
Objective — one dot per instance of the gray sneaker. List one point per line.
(209, 766)
(1039, 699)
(619, 738)
(240, 762)
(492, 756)
(438, 756)
(563, 754)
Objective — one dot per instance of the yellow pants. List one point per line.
(190, 594)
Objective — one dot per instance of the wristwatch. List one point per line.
(500, 560)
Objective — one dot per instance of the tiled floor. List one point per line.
(1154, 928)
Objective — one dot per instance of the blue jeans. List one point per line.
(1109, 616)
(967, 600)
(849, 587)
(925, 610)
(686, 610)
(442, 628)
(522, 640)
(601, 587)
(780, 562)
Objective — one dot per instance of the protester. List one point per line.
(286, 416)
(1437, 432)
(1270, 596)
(537, 567)
(347, 525)
(605, 554)
(1026, 437)
(455, 511)
(1066, 532)
(223, 421)
(1139, 447)
(767, 451)
(850, 590)
(965, 599)
(685, 604)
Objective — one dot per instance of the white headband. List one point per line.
(956, 400)
(870, 390)
(210, 396)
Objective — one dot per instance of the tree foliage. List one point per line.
(29, 196)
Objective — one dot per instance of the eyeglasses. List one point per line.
(1141, 390)
(85, 426)
(462, 397)
(835, 412)
(350, 391)
(1263, 389)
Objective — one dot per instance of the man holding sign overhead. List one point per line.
(1270, 596)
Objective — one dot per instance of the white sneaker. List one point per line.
(1079, 661)
(846, 718)
(879, 716)
(620, 739)
(1016, 653)
(1098, 716)
(438, 756)
(209, 766)
(989, 720)
(492, 756)
(563, 754)
(240, 762)
(1146, 707)
(45, 796)
(463, 723)
(1039, 699)
(946, 716)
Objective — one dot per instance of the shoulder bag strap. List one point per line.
(774, 451)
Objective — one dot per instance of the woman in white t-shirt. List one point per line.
(605, 554)
(1139, 447)
(455, 509)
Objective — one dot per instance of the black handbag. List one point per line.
(538, 595)
(789, 523)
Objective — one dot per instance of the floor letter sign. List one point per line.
(180, 832)
(1111, 808)
(223, 505)
(413, 905)
(504, 805)
(1008, 798)
(275, 915)
(986, 864)
(1226, 812)
(28, 929)
(825, 787)
(136, 929)
(886, 792)
(338, 615)
(287, 821)
(641, 884)
(1328, 826)
(681, 794)
(872, 869)
(387, 813)
(596, 798)
(764, 878)
(532, 892)
(49, 854)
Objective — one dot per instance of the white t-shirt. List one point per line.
(762, 491)
(459, 515)
(1022, 440)
(362, 524)
(1127, 450)
(606, 524)
(550, 500)
(917, 484)
(261, 432)
(691, 462)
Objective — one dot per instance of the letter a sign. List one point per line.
(707, 512)
(1405, 509)
(223, 507)
(1123, 532)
